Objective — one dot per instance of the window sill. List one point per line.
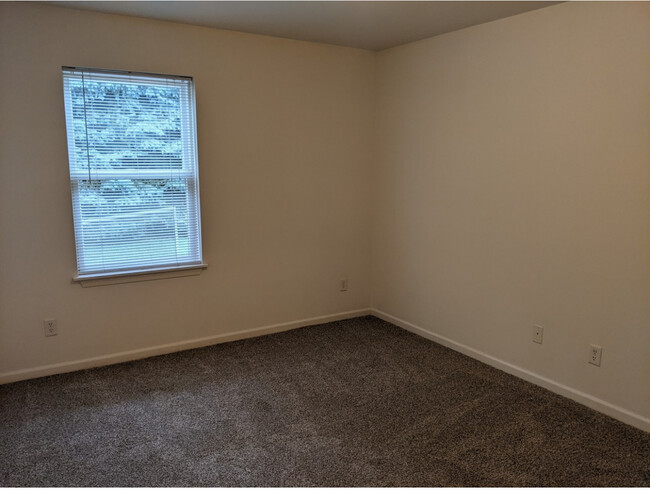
(138, 276)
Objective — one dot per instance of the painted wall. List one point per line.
(498, 177)
(512, 188)
(284, 140)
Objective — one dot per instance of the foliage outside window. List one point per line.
(133, 171)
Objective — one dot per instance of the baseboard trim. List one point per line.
(590, 401)
(116, 358)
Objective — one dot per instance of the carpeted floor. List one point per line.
(353, 403)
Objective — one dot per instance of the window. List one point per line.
(133, 171)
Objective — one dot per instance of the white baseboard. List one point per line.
(597, 404)
(592, 402)
(105, 360)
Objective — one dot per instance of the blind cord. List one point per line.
(83, 88)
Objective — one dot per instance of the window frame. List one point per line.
(189, 173)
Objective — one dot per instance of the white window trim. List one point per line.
(138, 275)
(155, 272)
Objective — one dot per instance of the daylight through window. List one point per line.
(133, 171)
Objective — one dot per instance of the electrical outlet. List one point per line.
(595, 354)
(343, 285)
(538, 333)
(50, 327)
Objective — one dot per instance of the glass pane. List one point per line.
(125, 125)
(133, 222)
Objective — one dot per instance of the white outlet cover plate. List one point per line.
(538, 333)
(50, 327)
(595, 354)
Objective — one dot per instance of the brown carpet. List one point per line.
(353, 403)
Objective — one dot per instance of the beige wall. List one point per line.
(512, 188)
(284, 144)
(498, 177)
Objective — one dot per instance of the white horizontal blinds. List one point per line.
(133, 171)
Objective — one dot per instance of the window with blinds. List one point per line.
(133, 171)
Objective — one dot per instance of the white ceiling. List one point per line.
(360, 24)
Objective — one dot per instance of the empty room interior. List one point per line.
(375, 259)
